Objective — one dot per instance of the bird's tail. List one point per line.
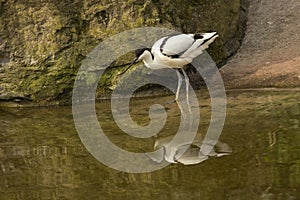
(208, 38)
(203, 40)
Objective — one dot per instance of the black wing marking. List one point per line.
(176, 52)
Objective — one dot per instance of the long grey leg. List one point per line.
(187, 83)
(178, 85)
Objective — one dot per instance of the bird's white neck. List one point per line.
(147, 58)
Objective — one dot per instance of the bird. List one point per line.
(174, 51)
(188, 153)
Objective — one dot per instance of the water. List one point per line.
(42, 157)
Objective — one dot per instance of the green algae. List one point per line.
(47, 40)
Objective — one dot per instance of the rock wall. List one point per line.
(42, 43)
(270, 53)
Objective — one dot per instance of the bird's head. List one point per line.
(141, 53)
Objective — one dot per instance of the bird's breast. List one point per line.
(172, 62)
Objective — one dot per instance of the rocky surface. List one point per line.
(270, 53)
(42, 43)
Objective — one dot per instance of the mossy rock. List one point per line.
(43, 43)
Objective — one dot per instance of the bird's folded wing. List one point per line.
(174, 46)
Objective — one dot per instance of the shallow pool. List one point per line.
(42, 156)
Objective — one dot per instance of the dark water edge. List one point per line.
(42, 157)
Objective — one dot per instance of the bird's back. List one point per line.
(178, 50)
(174, 46)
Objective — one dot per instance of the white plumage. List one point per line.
(188, 153)
(175, 51)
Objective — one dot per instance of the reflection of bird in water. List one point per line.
(192, 155)
(175, 51)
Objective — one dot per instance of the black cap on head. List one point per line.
(140, 51)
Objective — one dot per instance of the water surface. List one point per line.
(42, 157)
